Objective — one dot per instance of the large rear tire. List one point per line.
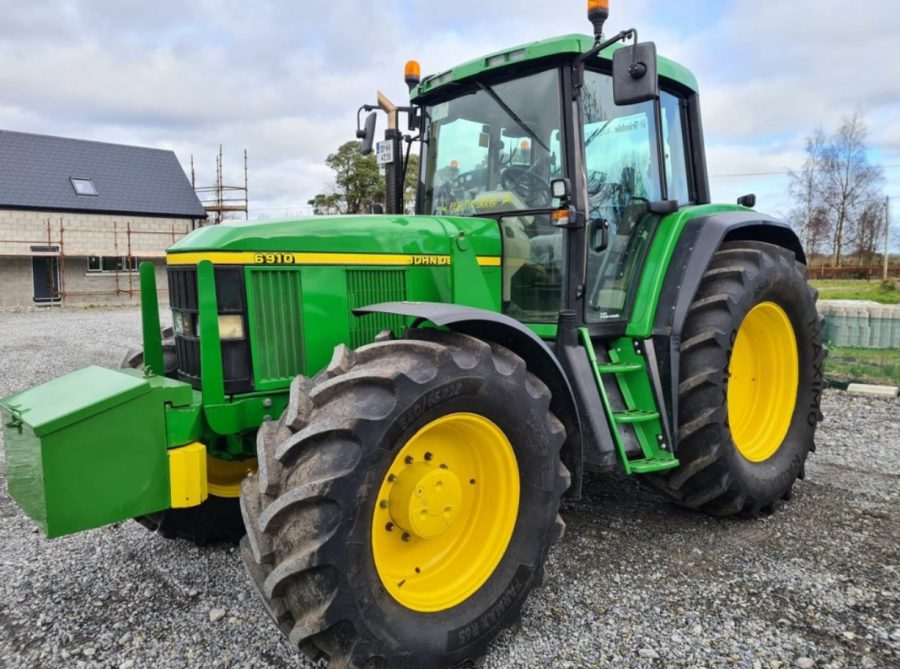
(405, 502)
(751, 383)
(218, 519)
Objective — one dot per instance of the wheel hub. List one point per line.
(445, 512)
(763, 379)
(425, 500)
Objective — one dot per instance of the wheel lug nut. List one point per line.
(391, 478)
(405, 537)
(383, 504)
(428, 457)
(443, 466)
(389, 527)
(408, 460)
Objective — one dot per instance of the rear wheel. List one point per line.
(405, 502)
(751, 383)
(218, 519)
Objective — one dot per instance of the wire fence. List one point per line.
(846, 365)
(863, 338)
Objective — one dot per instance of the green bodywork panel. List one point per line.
(298, 313)
(347, 234)
(665, 239)
(566, 45)
(89, 448)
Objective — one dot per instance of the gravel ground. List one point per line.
(636, 582)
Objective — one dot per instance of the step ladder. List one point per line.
(628, 367)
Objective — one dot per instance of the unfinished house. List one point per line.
(77, 217)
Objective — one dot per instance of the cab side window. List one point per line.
(678, 173)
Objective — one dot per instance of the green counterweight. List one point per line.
(89, 448)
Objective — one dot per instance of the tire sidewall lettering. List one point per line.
(491, 607)
(770, 477)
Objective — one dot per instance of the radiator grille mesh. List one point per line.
(276, 324)
(365, 287)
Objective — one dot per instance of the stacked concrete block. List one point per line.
(86, 234)
(861, 324)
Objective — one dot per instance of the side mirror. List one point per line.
(748, 200)
(635, 74)
(664, 207)
(598, 234)
(415, 118)
(377, 208)
(367, 133)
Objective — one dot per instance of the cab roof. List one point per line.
(555, 46)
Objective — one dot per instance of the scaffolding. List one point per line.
(220, 200)
(126, 281)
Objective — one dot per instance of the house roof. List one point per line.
(36, 172)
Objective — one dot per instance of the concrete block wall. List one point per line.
(16, 284)
(89, 233)
(79, 235)
(81, 288)
(84, 289)
(861, 324)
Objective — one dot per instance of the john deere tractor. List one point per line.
(392, 406)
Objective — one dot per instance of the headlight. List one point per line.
(182, 321)
(231, 327)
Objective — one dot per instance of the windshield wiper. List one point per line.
(515, 117)
(596, 133)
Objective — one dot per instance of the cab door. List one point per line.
(634, 155)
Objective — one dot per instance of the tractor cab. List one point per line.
(576, 146)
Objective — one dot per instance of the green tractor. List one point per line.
(393, 406)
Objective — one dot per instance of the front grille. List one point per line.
(183, 288)
(276, 325)
(230, 299)
(183, 298)
(371, 286)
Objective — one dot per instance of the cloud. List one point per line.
(284, 79)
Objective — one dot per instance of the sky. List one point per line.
(284, 79)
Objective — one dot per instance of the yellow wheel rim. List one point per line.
(445, 512)
(224, 476)
(762, 384)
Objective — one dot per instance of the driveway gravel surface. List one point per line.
(636, 582)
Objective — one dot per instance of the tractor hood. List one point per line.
(347, 234)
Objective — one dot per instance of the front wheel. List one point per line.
(405, 502)
(750, 385)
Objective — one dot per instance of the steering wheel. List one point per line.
(454, 189)
(533, 190)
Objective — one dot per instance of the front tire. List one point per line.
(334, 546)
(751, 383)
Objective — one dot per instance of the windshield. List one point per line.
(494, 149)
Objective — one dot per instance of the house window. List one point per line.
(83, 186)
(102, 264)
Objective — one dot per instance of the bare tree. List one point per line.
(849, 179)
(869, 230)
(834, 190)
(806, 187)
(818, 232)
